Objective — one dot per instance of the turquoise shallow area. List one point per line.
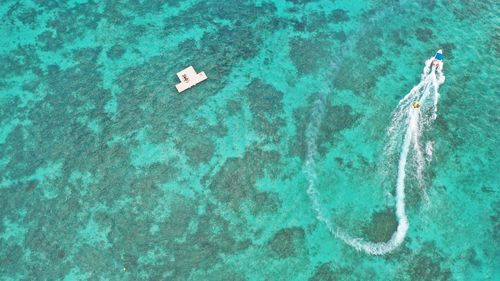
(106, 173)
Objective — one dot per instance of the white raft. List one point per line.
(189, 78)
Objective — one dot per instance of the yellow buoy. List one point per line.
(416, 104)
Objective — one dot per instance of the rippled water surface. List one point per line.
(279, 167)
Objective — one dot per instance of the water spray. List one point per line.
(415, 113)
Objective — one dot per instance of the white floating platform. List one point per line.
(189, 78)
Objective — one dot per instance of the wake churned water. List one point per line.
(408, 123)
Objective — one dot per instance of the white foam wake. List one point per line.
(407, 123)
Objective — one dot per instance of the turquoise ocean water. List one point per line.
(276, 168)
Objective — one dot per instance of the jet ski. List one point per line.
(438, 58)
(416, 104)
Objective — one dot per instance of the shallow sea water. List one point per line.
(106, 173)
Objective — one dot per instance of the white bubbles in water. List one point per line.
(407, 123)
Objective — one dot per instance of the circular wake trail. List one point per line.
(407, 123)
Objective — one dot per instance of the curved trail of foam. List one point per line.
(405, 119)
